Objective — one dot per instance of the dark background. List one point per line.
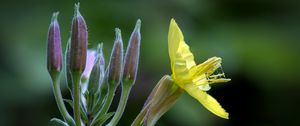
(257, 39)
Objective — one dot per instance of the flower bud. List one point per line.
(116, 61)
(132, 54)
(79, 40)
(97, 73)
(67, 64)
(54, 52)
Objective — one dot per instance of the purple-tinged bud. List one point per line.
(54, 52)
(97, 73)
(132, 55)
(116, 61)
(79, 40)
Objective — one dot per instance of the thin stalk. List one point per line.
(110, 96)
(76, 92)
(122, 104)
(90, 102)
(59, 100)
(108, 101)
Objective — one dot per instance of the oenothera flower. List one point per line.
(90, 61)
(194, 79)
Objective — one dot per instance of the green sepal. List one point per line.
(161, 99)
(89, 101)
(139, 119)
(128, 82)
(67, 65)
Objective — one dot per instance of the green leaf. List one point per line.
(89, 102)
(58, 122)
(83, 112)
(99, 103)
(102, 119)
(70, 102)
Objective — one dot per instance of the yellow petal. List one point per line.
(184, 53)
(174, 38)
(206, 100)
(180, 55)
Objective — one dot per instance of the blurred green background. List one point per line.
(258, 40)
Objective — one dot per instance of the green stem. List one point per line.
(76, 92)
(108, 101)
(59, 99)
(122, 104)
(110, 96)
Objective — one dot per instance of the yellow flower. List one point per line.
(194, 79)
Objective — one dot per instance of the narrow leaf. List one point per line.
(70, 102)
(83, 112)
(103, 119)
(58, 122)
(99, 103)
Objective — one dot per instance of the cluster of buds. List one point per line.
(92, 85)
